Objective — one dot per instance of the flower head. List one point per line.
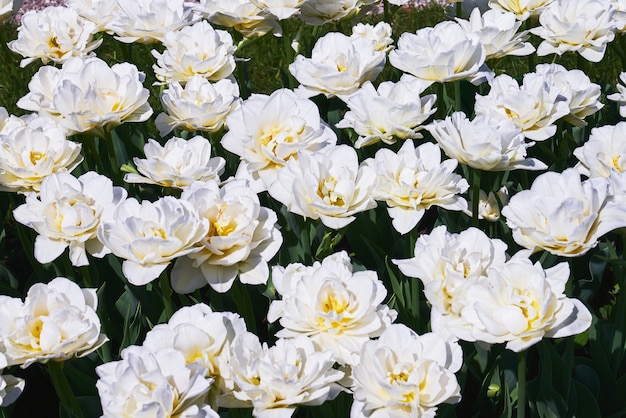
(604, 152)
(242, 15)
(241, 239)
(336, 308)
(328, 185)
(56, 321)
(178, 163)
(54, 34)
(405, 374)
(148, 236)
(67, 213)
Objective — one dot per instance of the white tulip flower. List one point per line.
(604, 152)
(148, 236)
(379, 33)
(338, 66)
(198, 106)
(485, 143)
(241, 240)
(56, 321)
(339, 310)
(414, 180)
(562, 214)
(242, 15)
(67, 213)
(328, 185)
(148, 21)
(403, 374)
(489, 204)
(282, 9)
(153, 384)
(391, 112)
(276, 380)
(619, 18)
(195, 50)
(582, 26)
(523, 9)
(178, 163)
(203, 337)
(582, 96)
(268, 131)
(320, 12)
(33, 151)
(446, 263)
(497, 31)
(620, 96)
(520, 303)
(54, 34)
(86, 95)
(100, 12)
(443, 53)
(533, 107)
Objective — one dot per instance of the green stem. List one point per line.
(166, 293)
(475, 195)
(521, 384)
(63, 388)
(457, 94)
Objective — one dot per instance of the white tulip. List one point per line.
(523, 9)
(497, 31)
(148, 236)
(319, 12)
(56, 321)
(86, 95)
(241, 239)
(520, 303)
(203, 337)
(195, 50)
(198, 106)
(582, 26)
(414, 180)
(604, 152)
(562, 214)
(446, 263)
(282, 9)
(485, 143)
(268, 131)
(54, 34)
(276, 380)
(178, 163)
(338, 66)
(153, 384)
(33, 151)
(337, 309)
(148, 21)
(393, 111)
(242, 15)
(328, 185)
(403, 374)
(533, 107)
(100, 12)
(582, 96)
(443, 53)
(67, 213)
(379, 33)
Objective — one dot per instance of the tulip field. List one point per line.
(313, 208)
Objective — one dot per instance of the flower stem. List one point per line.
(63, 388)
(521, 384)
(475, 195)
(166, 293)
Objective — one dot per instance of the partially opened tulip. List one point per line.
(604, 152)
(523, 9)
(242, 15)
(620, 96)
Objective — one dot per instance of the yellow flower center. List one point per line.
(616, 163)
(326, 191)
(36, 156)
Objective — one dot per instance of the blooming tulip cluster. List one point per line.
(261, 247)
